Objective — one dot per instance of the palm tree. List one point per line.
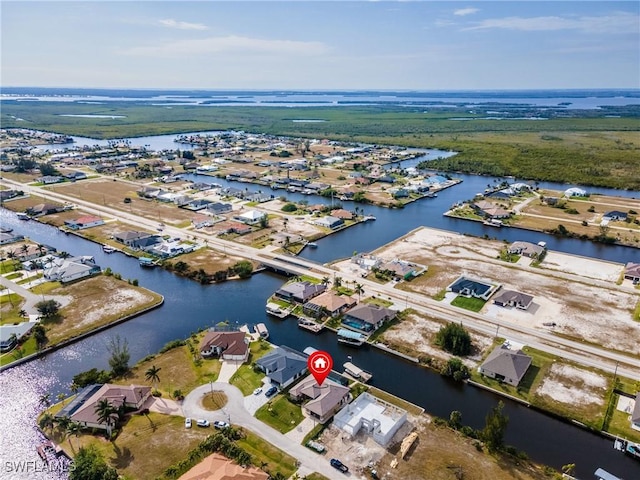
(46, 421)
(41, 250)
(61, 397)
(337, 282)
(325, 281)
(72, 429)
(45, 399)
(63, 423)
(22, 313)
(359, 290)
(152, 375)
(106, 414)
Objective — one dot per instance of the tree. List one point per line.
(89, 464)
(455, 419)
(454, 339)
(106, 414)
(39, 334)
(456, 369)
(47, 169)
(152, 375)
(359, 290)
(48, 308)
(119, 360)
(244, 268)
(289, 207)
(45, 400)
(337, 282)
(46, 421)
(495, 425)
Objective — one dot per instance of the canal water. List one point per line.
(190, 306)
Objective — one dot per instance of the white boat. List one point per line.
(312, 244)
(108, 249)
(368, 217)
(275, 310)
(261, 329)
(22, 216)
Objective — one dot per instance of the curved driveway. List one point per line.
(235, 413)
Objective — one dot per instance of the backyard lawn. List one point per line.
(280, 414)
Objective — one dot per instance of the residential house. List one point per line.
(399, 192)
(83, 222)
(232, 227)
(377, 418)
(202, 186)
(366, 261)
(300, 292)
(329, 222)
(9, 237)
(490, 210)
(10, 335)
(615, 215)
(575, 192)
(72, 269)
(44, 209)
(635, 415)
(367, 317)
(128, 237)
(49, 179)
(323, 400)
(250, 217)
(32, 251)
(230, 346)
(328, 302)
(8, 194)
(218, 208)
(632, 272)
(506, 365)
(82, 409)
(342, 213)
(527, 249)
(283, 366)
(196, 205)
(512, 298)
(401, 269)
(146, 243)
(283, 238)
(219, 467)
(469, 287)
(202, 221)
(149, 192)
(75, 175)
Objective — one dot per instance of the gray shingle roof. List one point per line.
(508, 363)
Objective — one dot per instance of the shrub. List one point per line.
(454, 339)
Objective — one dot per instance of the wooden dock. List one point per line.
(355, 372)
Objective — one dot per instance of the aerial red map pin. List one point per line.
(320, 365)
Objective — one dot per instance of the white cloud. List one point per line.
(231, 43)
(170, 23)
(461, 12)
(615, 23)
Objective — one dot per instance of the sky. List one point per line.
(321, 45)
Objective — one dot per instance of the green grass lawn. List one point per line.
(620, 425)
(14, 275)
(280, 414)
(261, 451)
(27, 348)
(245, 378)
(473, 304)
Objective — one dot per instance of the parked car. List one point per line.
(219, 424)
(337, 464)
(203, 423)
(271, 392)
(187, 422)
(257, 391)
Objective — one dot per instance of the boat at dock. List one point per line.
(493, 223)
(108, 249)
(275, 310)
(309, 325)
(147, 262)
(261, 329)
(627, 447)
(368, 217)
(312, 244)
(22, 216)
(355, 372)
(349, 337)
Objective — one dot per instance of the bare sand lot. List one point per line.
(574, 300)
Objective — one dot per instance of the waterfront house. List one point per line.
(44, 209)
(82, 409)
(129, 236)
(377, 418)
(635, 415)
(146, 243)
(230, 346)
(367, 317)
(8, 195)
(527, 249)
(86, 221)
(490, 210)
(10, 335)
(328, 303)
(575, 192)
(300, 292)
(342, 213)
(323, 401)
(632, 272)
(506, 365)
(67, 270)
(219, 467)
(401, 269)
(9, 237)
(512, 298)
(282, 366)
(329, 222)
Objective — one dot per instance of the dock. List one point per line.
(261, 330)
(275, 310)
(355, 372)
(349, 337)
(309, 325)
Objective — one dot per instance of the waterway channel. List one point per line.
(190, 306)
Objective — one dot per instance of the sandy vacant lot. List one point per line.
(580, 297)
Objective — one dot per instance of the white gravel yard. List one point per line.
(587, 267)
(571, 385)
(120, 300)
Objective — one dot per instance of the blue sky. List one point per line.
(415, 45)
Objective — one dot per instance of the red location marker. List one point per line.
(320, 365)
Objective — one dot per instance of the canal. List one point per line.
(190, 306)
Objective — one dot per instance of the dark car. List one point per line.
(335, 463)
(271, 392)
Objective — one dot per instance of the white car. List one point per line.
(220, 424)
(202, 423)
(257, 391)
(187, 422)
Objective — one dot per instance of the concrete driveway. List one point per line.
(235, 413)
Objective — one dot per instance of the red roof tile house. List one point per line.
(218, 467)
(81, 223)
(232, 346)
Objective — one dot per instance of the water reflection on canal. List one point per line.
(190, 306)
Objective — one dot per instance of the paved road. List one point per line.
(235, 413)
(31, 298)
(579, 352)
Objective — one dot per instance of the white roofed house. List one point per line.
(635, 415)
(86, 221)
(250, 217)
(72, 269)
